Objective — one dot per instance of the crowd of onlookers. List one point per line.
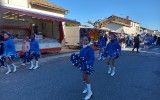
(145, 38)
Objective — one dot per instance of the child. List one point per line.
(101, 45)
(34, 52)
(9, 51)
(112, 50)
(25, 49)
(88, 53)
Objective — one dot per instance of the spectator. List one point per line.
(136, 43)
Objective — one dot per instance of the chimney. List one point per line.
(127, 17)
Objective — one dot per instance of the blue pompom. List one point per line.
(95, 44)
(74, 58)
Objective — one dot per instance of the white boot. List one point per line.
(113, 71)
(89, 92)
(103, 58)
(109, 69)
(31, 67)
(99, 58)
(36, 65)
(14, 67)
(85, 88)
(8, 69)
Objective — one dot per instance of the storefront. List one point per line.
(23, 22)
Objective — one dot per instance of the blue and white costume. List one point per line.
(9, 49)
(113, 49)
(10, 53)
(34, 49)
(34, 52)
(101, 42)
(84, 60)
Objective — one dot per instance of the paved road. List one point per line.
(137, 78)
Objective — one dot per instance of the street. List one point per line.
(137, 78)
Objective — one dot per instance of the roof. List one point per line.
(37, 13)
(47, 4)
(126, 19)
(118, 17)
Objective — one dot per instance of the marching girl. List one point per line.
(9, 50)
(101, 45)
(113, 50)
(34, 52)
(25, 49)
(88, 53)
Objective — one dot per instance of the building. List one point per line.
(120, 25)
(146, 30)
(41, 17)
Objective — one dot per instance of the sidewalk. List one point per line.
(44, 57)
(152, 48)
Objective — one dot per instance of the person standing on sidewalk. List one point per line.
(136, 43)
(88, 53)
(25, 49)
(112, 50)
(34, 52)
(9, 51)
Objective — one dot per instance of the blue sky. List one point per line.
(146, 12)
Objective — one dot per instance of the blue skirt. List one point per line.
(113, 55)
(35, 54)
(11, 56)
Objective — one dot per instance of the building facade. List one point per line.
(120, 25)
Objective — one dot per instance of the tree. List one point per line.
(96, 24)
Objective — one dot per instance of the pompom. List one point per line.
(95, 44)
(74, 58)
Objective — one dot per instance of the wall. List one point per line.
(56, 34)
(3, 1)
(47, 28)
(15, 22)
(20, 3)
(135, 27)
(114, 27)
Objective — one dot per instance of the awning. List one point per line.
(37, 13)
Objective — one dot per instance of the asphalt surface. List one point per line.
(137, 78)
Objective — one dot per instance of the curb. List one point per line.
(19, 61)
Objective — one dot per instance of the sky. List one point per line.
(145, 12)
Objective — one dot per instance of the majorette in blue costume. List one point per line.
(9, 52)
(112, 52)
(84, 61)
(34, 52)
(100, 44)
